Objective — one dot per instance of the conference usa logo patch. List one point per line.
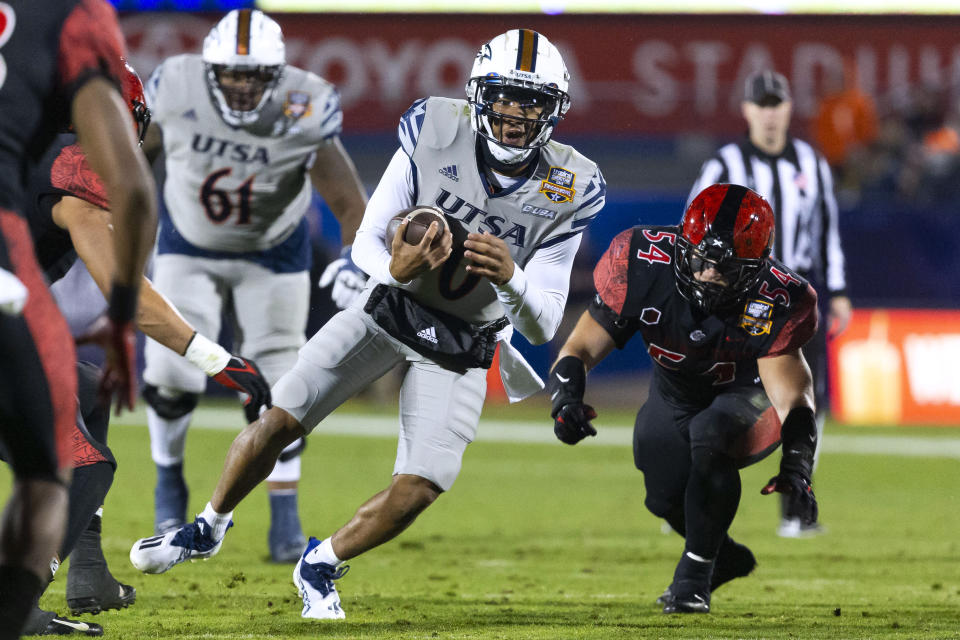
(756, 317)
(297, 104)
(558, 187)
(540, 212)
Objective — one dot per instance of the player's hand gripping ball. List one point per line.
(420, 217)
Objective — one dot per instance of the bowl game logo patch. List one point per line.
(296, 105)
(558, 187)
(756, 317)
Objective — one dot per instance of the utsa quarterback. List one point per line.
(517, 203)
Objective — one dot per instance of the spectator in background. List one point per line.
(796, 180)
(930, 165)
(845, 127)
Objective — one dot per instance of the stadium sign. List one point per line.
(633, 74)
(897, 367)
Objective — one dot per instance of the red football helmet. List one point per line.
(132, 89)
(729, 228)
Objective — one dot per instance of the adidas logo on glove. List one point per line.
(429, 334)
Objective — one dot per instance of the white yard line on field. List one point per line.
(508, 431)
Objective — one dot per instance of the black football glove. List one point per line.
(571, 417)
(571, 424)
(794, 480)
(243, 375)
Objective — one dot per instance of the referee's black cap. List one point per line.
(766, 88)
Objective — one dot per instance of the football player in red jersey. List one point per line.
(59, 64)
(724, 323)
(69, 217)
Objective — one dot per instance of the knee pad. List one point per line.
(170, 407)
(293, 450)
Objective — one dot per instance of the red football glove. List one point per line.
(243, 375)
(120, 369)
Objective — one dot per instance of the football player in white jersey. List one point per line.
(518, 203)
(246, 138)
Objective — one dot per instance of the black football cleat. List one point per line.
(687, 596)
(690, 590)
(48, 623)
(734, 560)
(91, 588)
(107, 594)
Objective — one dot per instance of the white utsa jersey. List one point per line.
(558, 200)
(239, 189)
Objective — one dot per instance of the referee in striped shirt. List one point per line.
(795, 179)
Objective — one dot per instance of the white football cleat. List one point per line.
(315, 583)
(193, 541)
(793, 528)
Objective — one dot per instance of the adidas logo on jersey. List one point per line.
(450, 172)
(429, 334)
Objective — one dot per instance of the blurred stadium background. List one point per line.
(654, 94)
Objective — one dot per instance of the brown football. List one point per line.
(421, 216)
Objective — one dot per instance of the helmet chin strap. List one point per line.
(505, 160)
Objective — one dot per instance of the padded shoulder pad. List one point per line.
(411, 122)
(433, 122)
(802, 323)
(610, 274)
(172, 85)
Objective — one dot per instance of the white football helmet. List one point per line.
(244, 56)
(522, 67)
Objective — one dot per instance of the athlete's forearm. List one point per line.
(158, 319)
(535, 297)
(589, 342)
(394, 193)
(536, 313)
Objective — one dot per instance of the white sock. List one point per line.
(324, 553)
(168, 438)
(218, 521)
(287, 471)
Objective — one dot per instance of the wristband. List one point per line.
(799, 430)
(799, 437)
(206, 355)
(123, 303)
(567, 384)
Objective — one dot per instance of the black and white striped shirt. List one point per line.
(799, 186)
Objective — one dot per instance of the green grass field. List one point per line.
(540, 540)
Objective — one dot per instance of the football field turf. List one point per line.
(541, 540)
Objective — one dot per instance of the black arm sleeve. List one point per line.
(620, 329)
(799, 437)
